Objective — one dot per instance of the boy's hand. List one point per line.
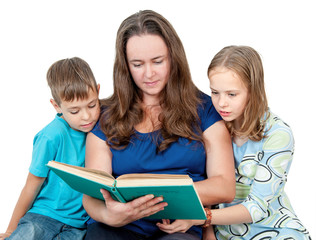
(4, 235)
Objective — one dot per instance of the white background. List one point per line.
(34, 34)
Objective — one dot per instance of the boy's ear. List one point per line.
(55, 105)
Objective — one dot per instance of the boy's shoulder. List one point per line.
(55, 128)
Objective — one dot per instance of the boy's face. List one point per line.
(80, 114)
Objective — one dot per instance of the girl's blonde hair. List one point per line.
(247, 64)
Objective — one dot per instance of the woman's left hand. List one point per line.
(178, 225)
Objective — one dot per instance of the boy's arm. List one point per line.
(29, 192)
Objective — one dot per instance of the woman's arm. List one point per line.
(28, 194)
(219, 187)
(111, 212)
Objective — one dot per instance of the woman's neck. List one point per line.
(150, 121)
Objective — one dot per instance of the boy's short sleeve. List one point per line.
(44, 150)
(207, 113)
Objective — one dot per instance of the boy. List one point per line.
(48, 207)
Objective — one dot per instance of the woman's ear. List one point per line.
(98, 88)
(55, 105)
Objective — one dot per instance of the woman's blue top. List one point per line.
(181, 157)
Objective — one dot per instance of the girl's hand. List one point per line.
(119, 214)
(178, 225)
(4, 235)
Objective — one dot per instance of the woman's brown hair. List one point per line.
(247, 64)
(178, 100)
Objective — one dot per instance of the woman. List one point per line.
(156, 121)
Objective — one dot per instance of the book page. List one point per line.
(144, 179)
(93, 174)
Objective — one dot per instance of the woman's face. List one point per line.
(229, 94)
(148, 61)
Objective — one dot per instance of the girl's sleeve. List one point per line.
(274, 162)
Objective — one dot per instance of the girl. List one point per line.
(263, 149)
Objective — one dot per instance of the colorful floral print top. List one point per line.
(261, 173)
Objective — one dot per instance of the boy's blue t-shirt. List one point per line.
(57, 141)
(181, 157)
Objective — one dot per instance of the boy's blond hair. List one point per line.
(70, 79)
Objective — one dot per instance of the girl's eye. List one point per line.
(214, 92)
(74, 112)
(232, 94)
(92, 106)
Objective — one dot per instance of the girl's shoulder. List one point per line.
(273, 122)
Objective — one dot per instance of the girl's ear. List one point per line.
(55, 105)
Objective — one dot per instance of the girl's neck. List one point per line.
(237, 123)
(240, 140)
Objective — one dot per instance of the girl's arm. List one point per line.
(269, 179)
(111, 212)
(29, 192)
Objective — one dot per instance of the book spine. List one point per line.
(116, 193)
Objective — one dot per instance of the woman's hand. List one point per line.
(178, 225)
(119, 214)
(208, 233)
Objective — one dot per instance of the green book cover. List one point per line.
(180, 194)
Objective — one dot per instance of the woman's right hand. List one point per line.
(119, 214)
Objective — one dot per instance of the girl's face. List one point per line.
(148, 61)
(229, 94)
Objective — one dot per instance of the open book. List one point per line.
(177, 190)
